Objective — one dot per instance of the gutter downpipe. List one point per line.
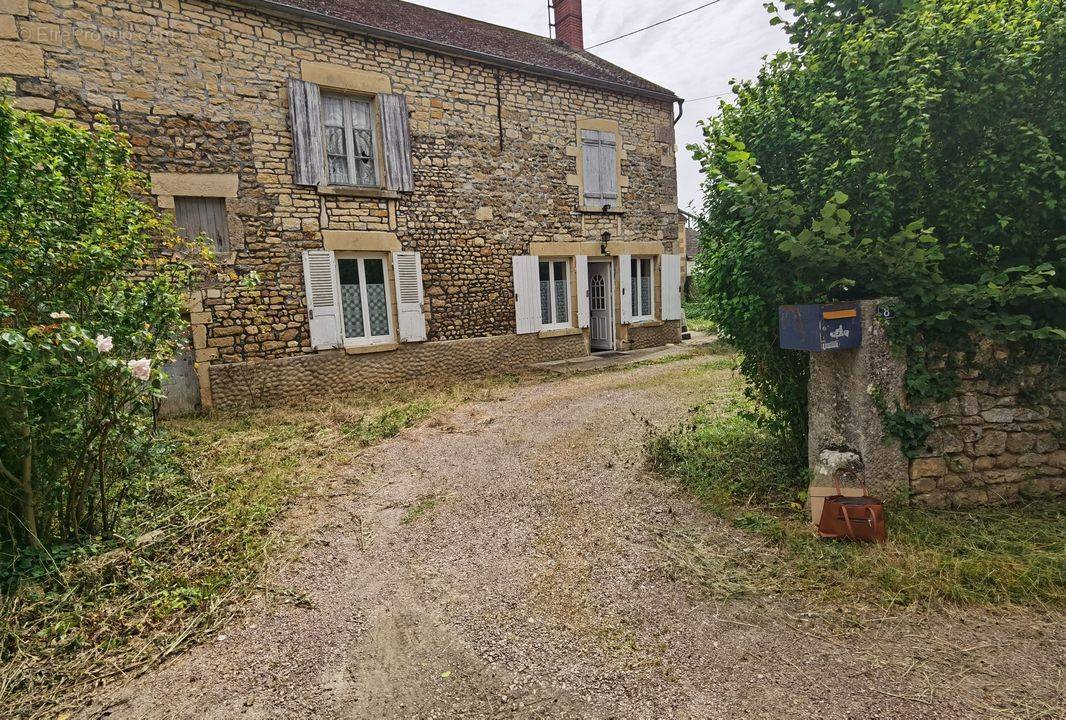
(680, 110)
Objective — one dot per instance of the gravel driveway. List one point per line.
(502, 562)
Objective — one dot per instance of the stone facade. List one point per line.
(200, 87)
(996, 441)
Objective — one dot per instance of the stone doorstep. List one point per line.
(622, 357)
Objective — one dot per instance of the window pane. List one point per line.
(361, 115)
(562, 292)
(545, 293)
(645, 287)
(634, 290)
(364, 157)
(351, 298)
(375, 297)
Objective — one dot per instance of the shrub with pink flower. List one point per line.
(141, 368)
(104, 344)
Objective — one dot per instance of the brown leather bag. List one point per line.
(861, 519)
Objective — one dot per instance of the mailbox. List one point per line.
(817, 328)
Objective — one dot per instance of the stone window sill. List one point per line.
(647, 324)
(367, 349)
(601, 211)
(561, 332)
(354, 191)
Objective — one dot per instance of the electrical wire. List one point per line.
(654, 25)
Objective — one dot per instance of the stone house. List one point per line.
(393, 192)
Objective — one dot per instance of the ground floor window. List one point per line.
(643, 289)
(554, 294)
(365, 298)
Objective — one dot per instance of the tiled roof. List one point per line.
(431, 29)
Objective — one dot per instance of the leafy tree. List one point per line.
(903, 148)
(91, 294)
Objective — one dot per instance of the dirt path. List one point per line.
(501, 563)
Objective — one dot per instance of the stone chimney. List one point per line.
(568, 23)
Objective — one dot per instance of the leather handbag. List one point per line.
(861, 519)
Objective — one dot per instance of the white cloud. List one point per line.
(694, 56)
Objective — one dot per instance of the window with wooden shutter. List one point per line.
(323, 298)
(196, 216)
(671, 279)
(527, 293)
(599, 157)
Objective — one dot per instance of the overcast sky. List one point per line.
(694, 56)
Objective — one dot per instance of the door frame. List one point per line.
(607, 268)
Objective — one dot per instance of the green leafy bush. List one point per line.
(91, 293)
(910, 149)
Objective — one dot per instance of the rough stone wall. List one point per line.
(995, 442)
(335, 373)
(200, 86)
(649, 336)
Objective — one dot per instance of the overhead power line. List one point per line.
(653, 25)
(709, 97)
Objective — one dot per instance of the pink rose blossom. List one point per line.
(141, 369)
(104, 343)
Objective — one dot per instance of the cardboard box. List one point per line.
(819, 494)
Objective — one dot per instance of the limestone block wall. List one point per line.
(335, 373)
(1000, 439)
(654, 334)
(995, 442)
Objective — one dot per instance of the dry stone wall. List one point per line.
(995, 442)
(200, 87)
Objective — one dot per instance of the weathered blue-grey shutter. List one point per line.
(395, 127)
(590, 165)
(194, 216)
(305, 119)
(608, 169)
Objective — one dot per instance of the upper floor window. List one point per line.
(350, 143)
(599, 157)
(554, 294)
(196, 216)
(642, 292)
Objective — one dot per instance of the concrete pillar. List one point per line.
(843, 419)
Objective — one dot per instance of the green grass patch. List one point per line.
(419, 509)
(990, 556)
(696, 318)
(195, 540)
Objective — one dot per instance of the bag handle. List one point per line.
(862, 484)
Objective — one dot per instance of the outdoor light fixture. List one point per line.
(604, 239)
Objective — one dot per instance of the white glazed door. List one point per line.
(600, 304)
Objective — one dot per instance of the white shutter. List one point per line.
(323, 298)
(305, 120)
(590, 154)
(671, 278)
(625, 278)
(582, 262)
(410, 296)
(526, 293)
(396, 131)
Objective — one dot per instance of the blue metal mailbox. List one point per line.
(816, 328)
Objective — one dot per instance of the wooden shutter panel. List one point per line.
(305, 119)
(399, 174)
(625, 277)
(323, 298)
(590, 158)
(526, 293)
(206, 215)
(409, 296)
(583, 316)
(671, 278)
(608, 170)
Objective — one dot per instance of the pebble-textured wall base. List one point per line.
(330, 374)
(649, 337)
(995, 443)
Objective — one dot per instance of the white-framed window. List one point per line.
(349, 136)
(599, 158)
(366, 309)
(554, 294)
(642, 291)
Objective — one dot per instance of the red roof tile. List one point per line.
(431, 29)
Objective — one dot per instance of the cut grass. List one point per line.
(990, 556)
(420, 508)
(206, 530)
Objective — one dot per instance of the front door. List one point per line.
(601, 322)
